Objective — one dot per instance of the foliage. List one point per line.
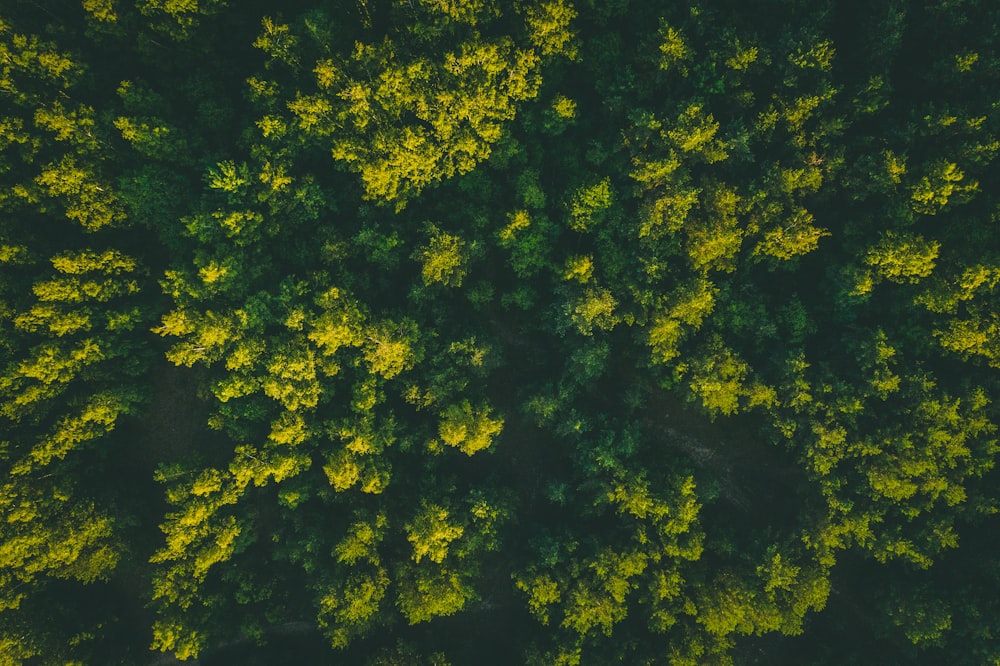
(549, 332)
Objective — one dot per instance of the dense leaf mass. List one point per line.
(481, 332)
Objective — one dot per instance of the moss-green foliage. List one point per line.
(550, 332)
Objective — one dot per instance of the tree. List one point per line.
(412, 121)
(467, 429)
(443, 259)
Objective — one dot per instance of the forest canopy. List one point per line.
(426, 332)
